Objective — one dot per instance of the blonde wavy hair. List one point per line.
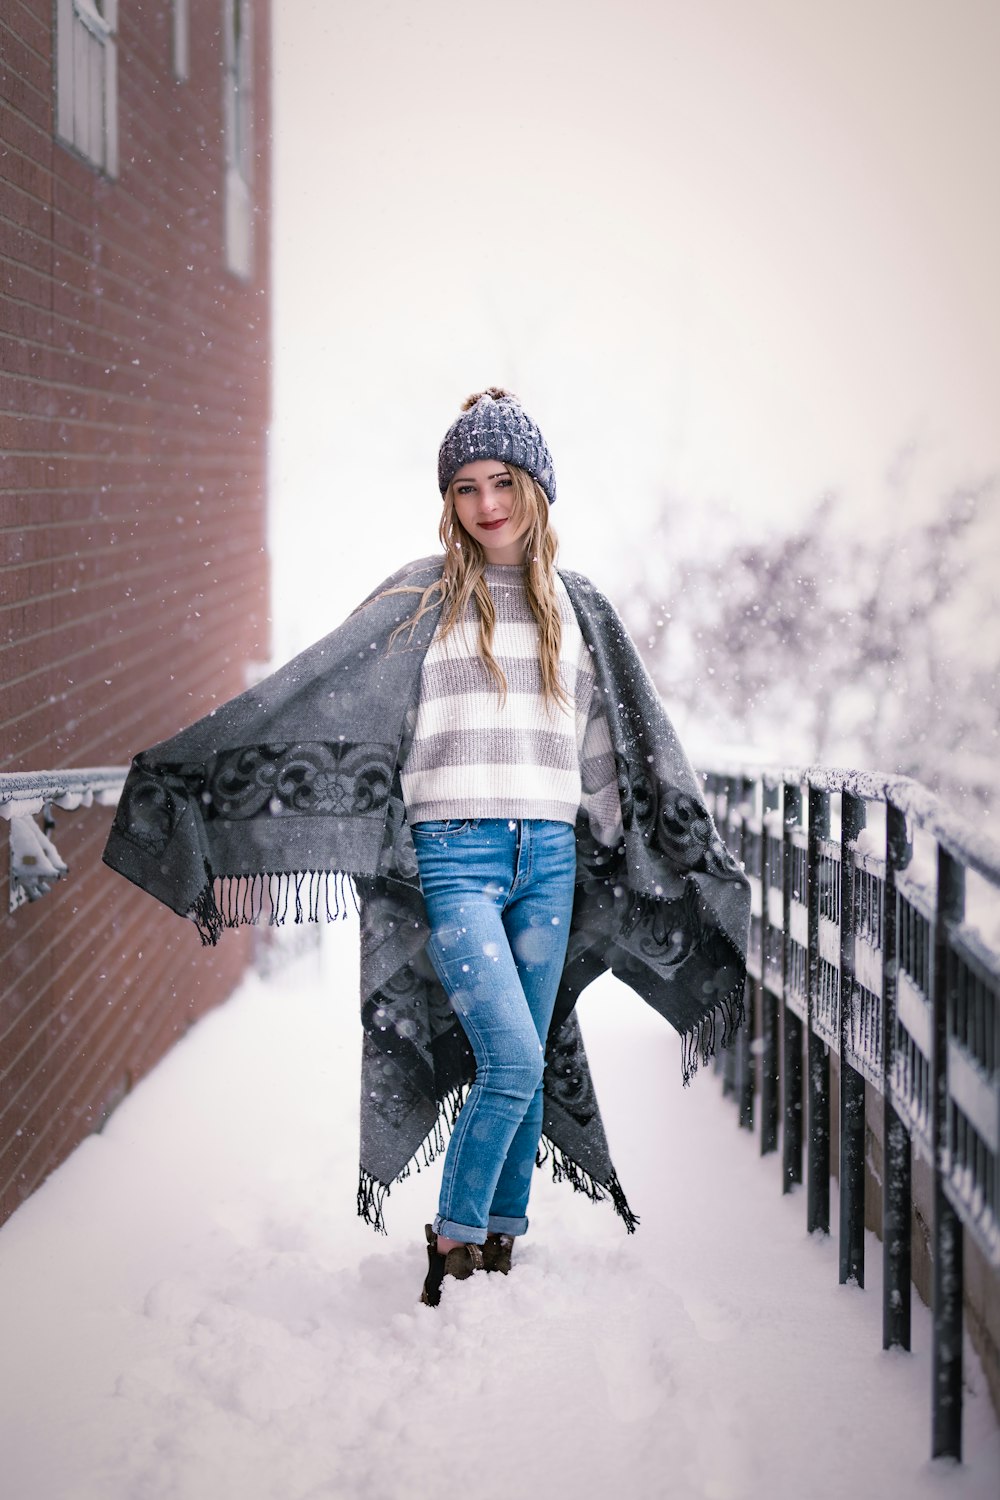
(463, 582)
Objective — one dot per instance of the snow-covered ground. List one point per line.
(191, 1311)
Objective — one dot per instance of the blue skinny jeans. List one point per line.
(499, 895)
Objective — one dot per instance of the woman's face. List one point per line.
(483, 493)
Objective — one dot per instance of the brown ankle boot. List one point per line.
(460, 1263)
(496, 1253)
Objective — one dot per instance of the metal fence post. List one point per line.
(818, 1072)
(852, 1084)
(946, 1418)
(724, 790)
(745, 1058)
(771, 852)
(791, 1026)
(897, 1206)
(745, 1035)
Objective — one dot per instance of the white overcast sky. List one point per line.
(736, 251)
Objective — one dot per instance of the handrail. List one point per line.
(862, 942)
(855, 945)
(25, 793)
(975, 847)
(34, 860)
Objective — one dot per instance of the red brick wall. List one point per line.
(134, 391)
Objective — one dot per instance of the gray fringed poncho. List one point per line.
(266, 807)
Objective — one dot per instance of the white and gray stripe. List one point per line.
(474, 755)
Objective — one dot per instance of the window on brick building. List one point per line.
(237, 62)
(181, 50)
(87, 80)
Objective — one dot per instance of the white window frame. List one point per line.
(87, 80)
(237, 107)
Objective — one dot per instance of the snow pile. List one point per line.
(191, 1311)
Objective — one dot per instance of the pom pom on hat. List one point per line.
(494, 424)
(491, 393)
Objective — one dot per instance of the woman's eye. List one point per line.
(504, 484)
(463, 489)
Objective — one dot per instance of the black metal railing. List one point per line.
(875, 934)
(35, 862)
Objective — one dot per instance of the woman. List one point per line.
(479, 749)
(492, 787)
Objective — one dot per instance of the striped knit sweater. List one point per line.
(474, 756)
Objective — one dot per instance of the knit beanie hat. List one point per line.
(493, 424)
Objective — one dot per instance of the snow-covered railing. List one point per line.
(34, 860)
(875, 931)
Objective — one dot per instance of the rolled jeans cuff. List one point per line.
(468, 1234)
(497, 1225)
